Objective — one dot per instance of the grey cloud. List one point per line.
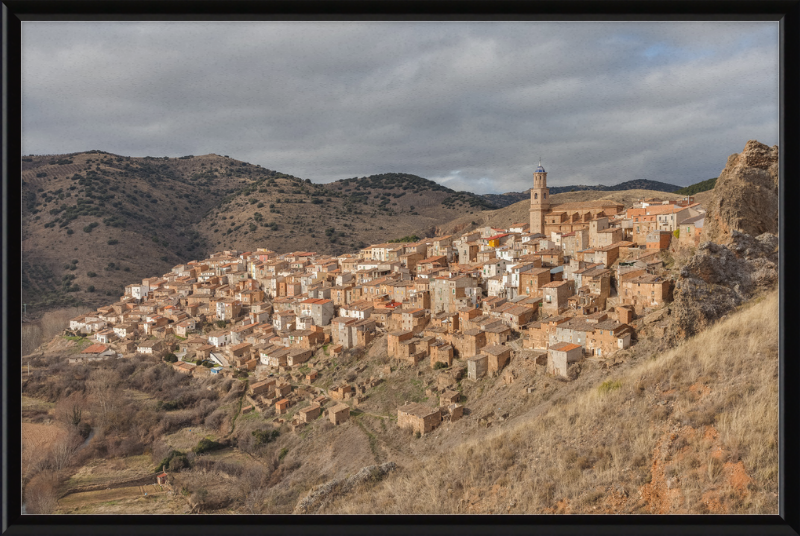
(600, 102)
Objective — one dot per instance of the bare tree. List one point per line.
(31, 337)
(40, 494)
(253, 483)
(103, 385)
(69, 411)
(62, 451)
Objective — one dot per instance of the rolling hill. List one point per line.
(94, 221)
(509, 198)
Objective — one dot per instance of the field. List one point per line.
(98, 471)
(40, 436)
(123, 501)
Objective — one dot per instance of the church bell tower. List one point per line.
(540, 204)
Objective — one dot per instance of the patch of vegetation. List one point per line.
(206, 445)
(608, 386)
(698, 187)
(264, 437)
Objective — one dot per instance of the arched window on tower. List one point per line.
(536, 196)
(545, 195)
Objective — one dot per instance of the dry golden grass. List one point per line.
(693, 430)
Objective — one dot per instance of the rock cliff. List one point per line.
(745, 197)
(719, 278)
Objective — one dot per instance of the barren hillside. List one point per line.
(691, 430)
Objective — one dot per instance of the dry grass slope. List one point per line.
(694, 430)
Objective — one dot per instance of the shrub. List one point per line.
(91, 274)
(263, 437)
(206, 445)
(439, 365)
(173, 455)
(90, 288)
(70, 231)
(608, 386)
(112, 241)
(170, 358)
(284, 452)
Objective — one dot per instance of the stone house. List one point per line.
(282, 389)
(555, 296)
(465, 315)
(607, 236)
(498, 357)
(472, 341)
(607, 255)
(297, 356)
(646, 291)
(561, 355)
(320, 310)
(477, 366)
(363, 332)
(625, 314)
(689, 230)
(418, 418)
(339, 413)
(307, 339)
(105, 336)
(309, 413)
(517, 316)
(239, 351)
(414, 320)
(658, 240)
(394, 339)
(184, 368)
(539, 332)
(448, 321)
(550, 257)
(262, 387)
(450, 293)
(574, 331)
(282, 406)
(449, 397)
(284, 320)
(607, 338)
(340, 392)
(441, 352)
(150, 347)
(341, 333)
(496, 332)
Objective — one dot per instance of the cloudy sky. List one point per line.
(471, 105)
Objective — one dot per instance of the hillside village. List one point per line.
(463, 306)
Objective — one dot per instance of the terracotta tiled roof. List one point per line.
(564, 347)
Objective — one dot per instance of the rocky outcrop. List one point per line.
(719, 278)
(745, 197)
(324, 493)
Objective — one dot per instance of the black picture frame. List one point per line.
(14, 12)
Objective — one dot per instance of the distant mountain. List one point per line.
(506, 199)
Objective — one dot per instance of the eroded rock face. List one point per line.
(745, 195)
(719, 278)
